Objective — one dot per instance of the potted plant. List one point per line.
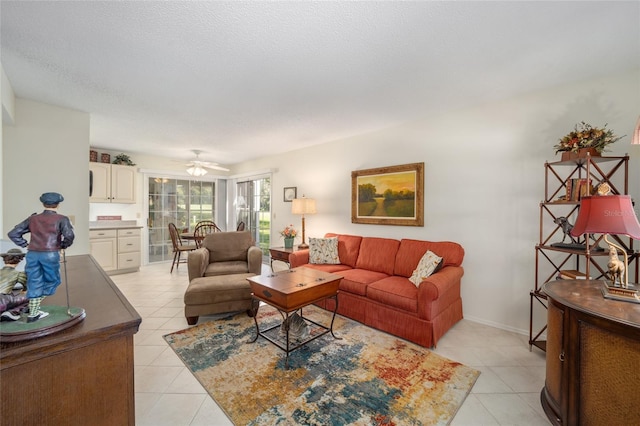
(585, 140)
(289, 233)
(123, 159)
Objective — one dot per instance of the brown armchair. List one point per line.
(218, 273)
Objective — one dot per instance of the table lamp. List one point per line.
(303, 206)
(611, 214)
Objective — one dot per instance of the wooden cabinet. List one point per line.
(557, 252)
(116, 250)
(112, 183)
(83, 375)
(593, 353)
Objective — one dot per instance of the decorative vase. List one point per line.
(288, 242)
(582, 153)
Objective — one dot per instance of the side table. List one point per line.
(281, 254)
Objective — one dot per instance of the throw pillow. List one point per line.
(324, 251)
(429, 264)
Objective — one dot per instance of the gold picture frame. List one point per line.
(391, 195)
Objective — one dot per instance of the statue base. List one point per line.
(59, 318)
(615, 292)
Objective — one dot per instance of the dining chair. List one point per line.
(178, 247)
(202, 229)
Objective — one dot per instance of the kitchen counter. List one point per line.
(114, 224)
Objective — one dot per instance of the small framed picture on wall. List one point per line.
(290, 193)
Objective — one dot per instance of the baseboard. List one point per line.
(499, 326)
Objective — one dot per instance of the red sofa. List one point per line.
(376, 291)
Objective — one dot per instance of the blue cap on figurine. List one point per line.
(51, 198)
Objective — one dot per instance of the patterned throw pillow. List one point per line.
(324, 251)
(429, 264)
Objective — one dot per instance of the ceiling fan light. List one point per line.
(196, 171)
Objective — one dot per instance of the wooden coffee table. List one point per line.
(289, 291)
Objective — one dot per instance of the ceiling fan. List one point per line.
(198, 167)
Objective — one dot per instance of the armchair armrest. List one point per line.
(298, 258)
(254, 259)
(197, 262)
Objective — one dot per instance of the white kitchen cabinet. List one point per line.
(103, 247)
(113, 183)
(116, 250)
(128, 249)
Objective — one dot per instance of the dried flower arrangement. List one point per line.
(586, 136)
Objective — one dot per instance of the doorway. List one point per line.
(253, 207)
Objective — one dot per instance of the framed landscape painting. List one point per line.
(391, 195)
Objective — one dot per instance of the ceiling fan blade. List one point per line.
(217, 168)
(205, 164)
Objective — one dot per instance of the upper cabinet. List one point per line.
(113, 183)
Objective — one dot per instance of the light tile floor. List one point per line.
(507, 392)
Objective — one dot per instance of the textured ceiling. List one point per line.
(239, 80)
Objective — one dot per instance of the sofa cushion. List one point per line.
(226, 268)
(394, 291)
(429, 264)
(410, 252)
(378, 254)
(356, 280)
(324, 251)
(326, 268)
(348, 248)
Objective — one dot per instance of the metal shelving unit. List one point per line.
(552, 253)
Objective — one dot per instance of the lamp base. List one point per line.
(303, 246)
(629, 294)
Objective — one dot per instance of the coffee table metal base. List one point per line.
(271, 333)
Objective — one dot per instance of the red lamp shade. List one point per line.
(608, 214)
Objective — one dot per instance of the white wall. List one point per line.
(7, 116)
(484, 180)
(8, 98)
(47, 150)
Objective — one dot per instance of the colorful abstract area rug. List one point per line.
(366, 378)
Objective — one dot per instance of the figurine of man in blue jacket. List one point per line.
(50, 233)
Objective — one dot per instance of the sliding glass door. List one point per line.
(253, 207)
(180, 201)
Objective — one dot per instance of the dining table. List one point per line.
(189, 236)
